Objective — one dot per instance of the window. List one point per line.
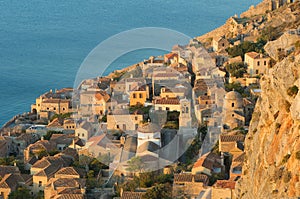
(47, 108)
(141, 95)
(136, 118)
(82, 134)
(40, 183)
(256, 71)
(232, 105)
(265, 63)
(54, 108)
(167, 108)
(134, 95)
(206, 102)
(78, 134)
(258, 63)
(63, 109)
(232, 115)
(117, 126)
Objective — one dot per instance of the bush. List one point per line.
(285, 158)
(247, 46)
(104, 119)
(236, 69)
(287, 176)
(292, 91)
(298, 155)
(277, 127)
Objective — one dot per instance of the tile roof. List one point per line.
(188, 177)
(48, 171)
(171, 101)
(10, 181)
(149, 128)
(7, 170)
(67, 171)
(225, 184)
(69, 196)
(132, 195)
(55, 123)
(239, 158)
(232, 138)
(148, 146)
(255, 55)
(56, 101)
(171, 55)
(67, 183)
(208, 161)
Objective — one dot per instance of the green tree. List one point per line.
(160, 191)
(20, 193)
(237, 69)
(135, 164)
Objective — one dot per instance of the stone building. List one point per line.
(188, 184)
(185, 117)
(149, 132)
(233, 110)
(139, 95)
(257, 64)
(122, 120)
(220, 43)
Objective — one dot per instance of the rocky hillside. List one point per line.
(272, 163)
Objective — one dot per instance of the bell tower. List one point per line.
(185, 118)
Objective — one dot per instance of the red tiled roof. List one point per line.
(225, 184)
(132, 195)
(232, 138)
(67, 171)
(255, 55)
(171, 101)
(188, 177)
(171, 55)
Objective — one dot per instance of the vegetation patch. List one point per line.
(237, 69)
(298, 155)
(292, 91)
(285, 158)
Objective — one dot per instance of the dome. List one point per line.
(233, 95)
(149, 128)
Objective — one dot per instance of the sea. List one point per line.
(43, 43)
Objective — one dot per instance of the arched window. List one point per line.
(232, 105)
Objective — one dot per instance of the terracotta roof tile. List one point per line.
(232, 138)
(67, 171)
(225, 184)
(171, 101)
(132, 195)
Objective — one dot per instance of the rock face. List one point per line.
(272, 162)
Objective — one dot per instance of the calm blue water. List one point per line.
(42, 43)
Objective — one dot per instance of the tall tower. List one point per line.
(185, 117)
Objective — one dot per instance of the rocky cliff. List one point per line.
(272, 163)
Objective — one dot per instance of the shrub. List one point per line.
(292, 91)
(236, 69)
(285, 158)
(287, 106)
(287, 176)
(277, 127)
(298, 155)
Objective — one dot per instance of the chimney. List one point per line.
(222, 159)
